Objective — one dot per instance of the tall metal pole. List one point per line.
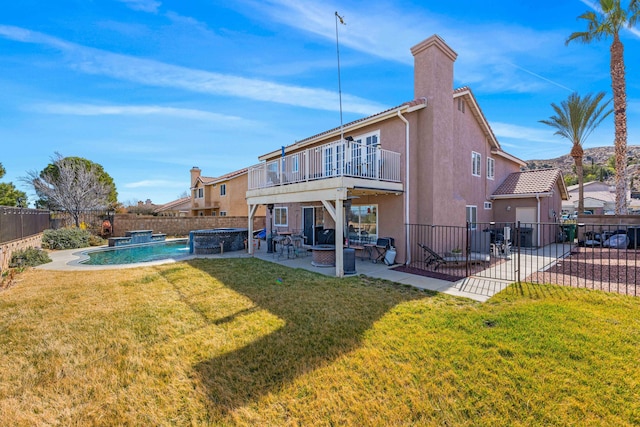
(339, 18)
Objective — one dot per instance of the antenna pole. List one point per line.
(338, 17)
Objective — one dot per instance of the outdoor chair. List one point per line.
(431, 257)
(383, 244)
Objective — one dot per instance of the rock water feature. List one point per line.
(136, 237)
(217, 240)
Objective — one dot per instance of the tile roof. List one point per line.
(174, 204)
(213, 180)
(531, 182)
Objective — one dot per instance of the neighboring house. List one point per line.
(176, 208)
(221, 196)
(599, 198)
(531, 197)
(432, 160)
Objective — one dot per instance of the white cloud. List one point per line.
(150, 6)
(155, 73)
(493, 57)
(128, 110)
(507, 130)
(154, 183)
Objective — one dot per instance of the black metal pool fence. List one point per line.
(604, 257)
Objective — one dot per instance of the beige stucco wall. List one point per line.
(7, 249)
(233, 202)
(175, 226)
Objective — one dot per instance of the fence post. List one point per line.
(467, 249)
(518, 245)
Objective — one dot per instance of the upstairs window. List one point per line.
(223, 189)
(295, 166)
(461, 105)
(475, 163)
(200, 193)
(491, 168)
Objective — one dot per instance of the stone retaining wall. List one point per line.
(176, 226)
(7, 249)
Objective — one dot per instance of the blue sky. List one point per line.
(150, 88)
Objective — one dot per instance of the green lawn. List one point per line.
(247, 342)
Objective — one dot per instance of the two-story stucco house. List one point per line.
(432, 160)
(220, 196)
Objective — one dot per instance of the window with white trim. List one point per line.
(281, 217)
(472, 216)
(476, 159)
(491, 168)
(488, 205)
(200, 194)
(295, 167)
(223, 213)
(367, 163)
(461, 105)
(223, 189)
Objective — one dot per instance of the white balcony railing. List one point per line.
(328, 161)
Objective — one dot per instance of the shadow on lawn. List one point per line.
(324, 319)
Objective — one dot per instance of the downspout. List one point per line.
(538, 220)
(406, 190)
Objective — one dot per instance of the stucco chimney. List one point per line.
(433, 79)
(433, 67)
(195, 174)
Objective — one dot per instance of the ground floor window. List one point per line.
(281, 217)
(223, 213)
(472, 216)
(362, 221)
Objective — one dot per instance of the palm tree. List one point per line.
(608, 22)
(575, 119)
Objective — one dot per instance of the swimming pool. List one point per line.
(137, 253)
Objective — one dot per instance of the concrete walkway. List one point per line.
(476, 288)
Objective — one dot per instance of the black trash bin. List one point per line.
(349, 260)
(526, 237)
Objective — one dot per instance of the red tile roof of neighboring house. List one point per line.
(173, 204)
(230, 175)
(213, 180)
(532, 182)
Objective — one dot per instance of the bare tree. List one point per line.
(71, 186)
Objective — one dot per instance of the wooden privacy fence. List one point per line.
(19, 223)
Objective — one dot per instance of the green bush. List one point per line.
(95, 240)
(65, 238)
(29, 257)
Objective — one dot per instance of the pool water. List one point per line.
(138, 253)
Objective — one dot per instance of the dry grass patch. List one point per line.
(245, 342)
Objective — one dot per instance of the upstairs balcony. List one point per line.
(338, 159)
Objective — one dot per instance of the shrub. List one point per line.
(29, 257)
(65, 238)
(95, 240)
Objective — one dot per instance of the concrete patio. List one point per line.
(479, 289)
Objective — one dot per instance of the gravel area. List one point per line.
(611, 270)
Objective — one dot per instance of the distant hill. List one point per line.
(599, 156)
